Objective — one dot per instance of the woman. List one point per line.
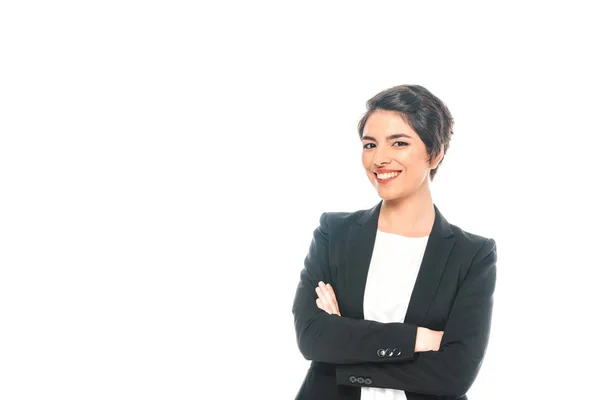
(395, 302)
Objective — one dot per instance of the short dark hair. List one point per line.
(424, 112)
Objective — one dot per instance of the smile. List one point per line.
(386, 176)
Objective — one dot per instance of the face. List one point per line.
(395, 157)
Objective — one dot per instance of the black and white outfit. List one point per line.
(387, 285)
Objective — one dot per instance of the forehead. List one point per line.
(382, 123)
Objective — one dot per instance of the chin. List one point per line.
(389, 195)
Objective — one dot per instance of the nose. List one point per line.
(382, 157)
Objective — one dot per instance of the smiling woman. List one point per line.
(395, 302)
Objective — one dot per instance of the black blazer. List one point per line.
(453, 292)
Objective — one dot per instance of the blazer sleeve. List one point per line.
(340, 340)
(452, 370)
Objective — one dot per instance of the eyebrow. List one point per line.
(390, 137)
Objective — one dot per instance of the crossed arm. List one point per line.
(426, 339)
(351, 344)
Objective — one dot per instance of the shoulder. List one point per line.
(336, 221)
(478, 246)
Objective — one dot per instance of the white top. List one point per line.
(392, 274)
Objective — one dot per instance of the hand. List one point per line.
(428, 340)
(326, 300)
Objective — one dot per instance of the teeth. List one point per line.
(387, 175)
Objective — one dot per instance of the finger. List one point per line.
(324, 306)
(328, 292)
(320, 305)
(325, 300)
(335, 302)
(322, 300)
(323, 291)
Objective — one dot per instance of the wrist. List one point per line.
(426, 340)
(420, 342)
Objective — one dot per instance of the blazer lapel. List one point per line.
(440, 243)
(361, 240)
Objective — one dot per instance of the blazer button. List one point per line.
(352, 379)
(360, 380)
(368, 381)
(381, 352)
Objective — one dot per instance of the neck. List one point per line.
(411, 216)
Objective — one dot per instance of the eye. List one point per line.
(400, 144)
(367, 146)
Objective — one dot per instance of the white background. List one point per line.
(163, 166)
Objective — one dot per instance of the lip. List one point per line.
(383, 171)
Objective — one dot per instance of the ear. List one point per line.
(433, 164)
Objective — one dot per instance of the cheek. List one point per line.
(417, 172)
(367, 159)
(415, 160)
